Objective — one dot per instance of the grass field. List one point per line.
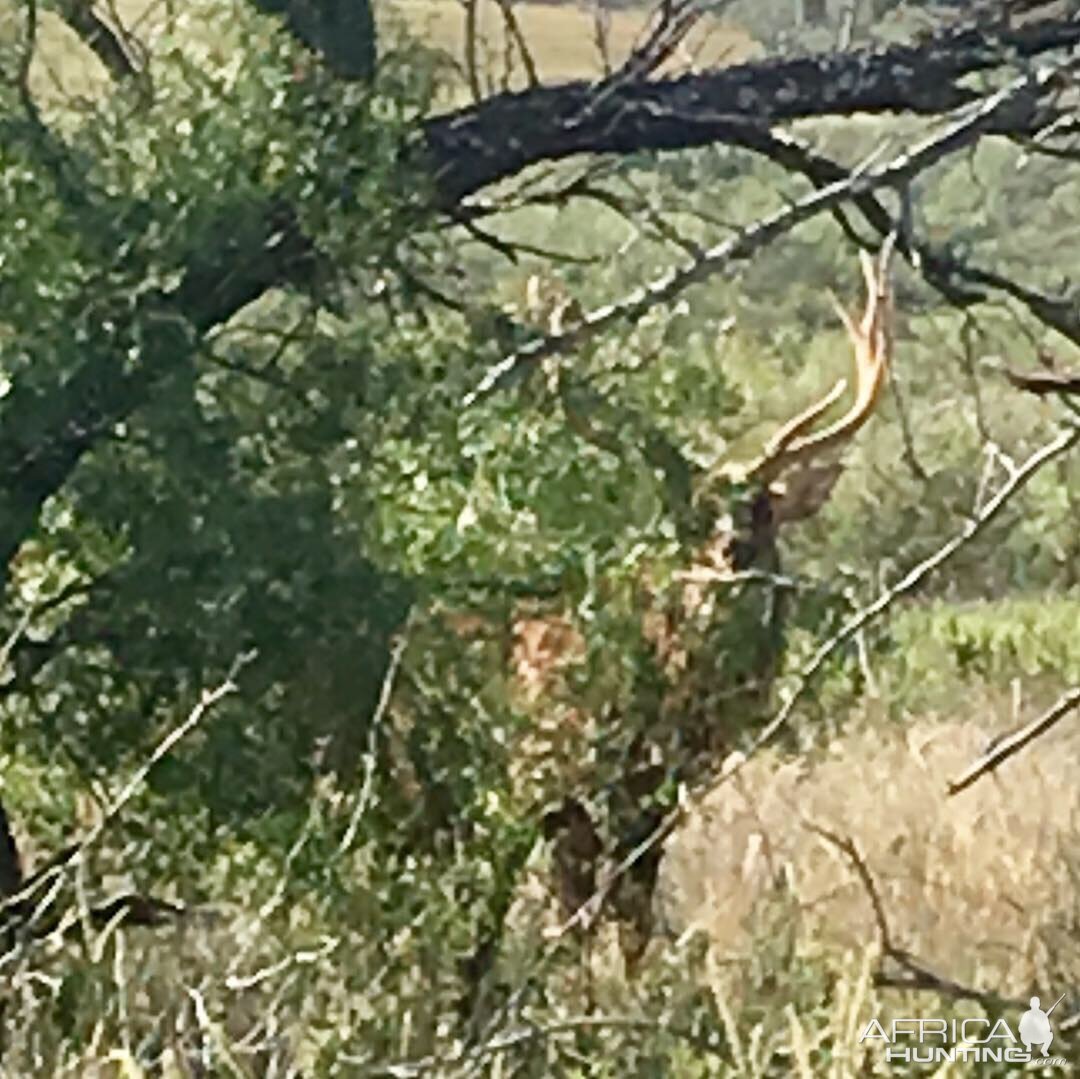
(562, 40)
(961, 879)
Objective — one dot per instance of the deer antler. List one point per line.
(872, 341)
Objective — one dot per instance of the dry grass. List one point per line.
(562, 39)
(968, 883)
(66, 73)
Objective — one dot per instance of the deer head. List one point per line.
(798, 468)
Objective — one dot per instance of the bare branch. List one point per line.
(385, 693)
(207, 701)
(32, 904)
(847, 845)
(106, 44)
(907, 435)
(1044, 382)
(498, 137)
(964, 129)
(672, 21)
(472, 64)
(915, 976)
(1011, 744)
(515, 34)
(602, 36)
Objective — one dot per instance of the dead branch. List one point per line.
(106, 43)
(517, 36)
(386, 690)
(602, 36)
(1045, 382)
(1012, 743)
(914, 974)
(472, 63)
(28, 903)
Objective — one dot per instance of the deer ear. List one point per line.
(804, 491)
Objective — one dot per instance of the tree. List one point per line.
(247, 409)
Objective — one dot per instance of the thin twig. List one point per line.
(915, 976)
(972, 527)
(907, 436)
(602, 37)
(106, 44)
(1011, 744)
(14, 637)
(247, 937)
(385, 693)
(472, 67)
(207, 701)
(968, 330)
(515, 34)
(52, 873)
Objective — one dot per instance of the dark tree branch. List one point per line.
(498, 137)
(24, 906)
(913, 974)
(341, 32)
(941, 271)
(134, 909)
(965, 129)
(105, 43)
(1045, 382)
(11, 873)
(958, 281)
(48, 428)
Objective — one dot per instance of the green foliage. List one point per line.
(209, 522)
(1032, 639)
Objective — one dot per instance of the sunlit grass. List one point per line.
(973, 885)
(563, 40)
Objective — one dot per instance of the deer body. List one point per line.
(717, 646)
